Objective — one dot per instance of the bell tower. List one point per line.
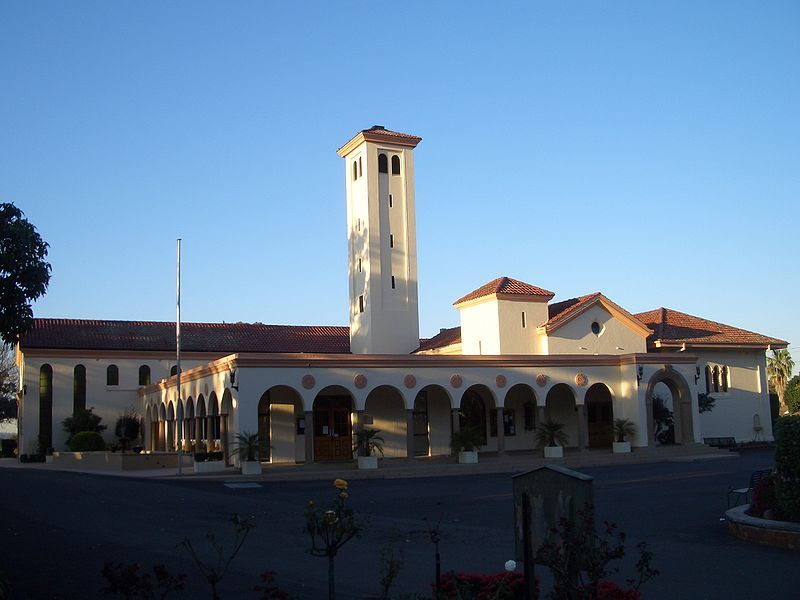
(381, 239)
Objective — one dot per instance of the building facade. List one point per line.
(516, 359)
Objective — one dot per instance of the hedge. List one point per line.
(787, 466)
(87, 441)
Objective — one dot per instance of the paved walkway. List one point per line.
(439, 466)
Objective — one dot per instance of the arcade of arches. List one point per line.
(290, 434)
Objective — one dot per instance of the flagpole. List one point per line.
(178, 360)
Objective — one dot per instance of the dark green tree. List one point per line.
(82, 420)
(127, 428)
(24, 272)
(792, 395)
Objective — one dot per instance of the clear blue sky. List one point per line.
(647, 150)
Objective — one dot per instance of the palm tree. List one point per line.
(779, 371)
(624, 428)
(551, 433)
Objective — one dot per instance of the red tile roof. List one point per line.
(561, 309)
(673, 327)
(150, 336)
(506, 285)
(381, 130)
(445, 337)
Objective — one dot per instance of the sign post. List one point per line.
(542, 497)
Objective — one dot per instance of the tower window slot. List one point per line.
(383, 163)
(393, 287)
(395, 165)
(523, 319)
(391, 241)
(390, 201)
(361, 303)
(355, 170)
(360, 170)
(359, 265)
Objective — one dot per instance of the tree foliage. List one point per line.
(128, 427)
(9, 383)
(779, 370)
(24, 272)
(792, 395)
(82, 420)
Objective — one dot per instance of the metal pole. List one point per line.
(178, 360)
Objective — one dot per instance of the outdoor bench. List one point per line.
(720, 442)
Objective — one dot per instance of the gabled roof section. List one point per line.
(445, 337)
(562, 312)
(674, 328)
(508, 288)
(379, 134)
(156, 336)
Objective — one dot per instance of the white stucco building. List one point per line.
(516, 359)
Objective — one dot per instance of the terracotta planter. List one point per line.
(251, 467)
(468, 457)
(621, 447)
(553, 452)
(367, 462)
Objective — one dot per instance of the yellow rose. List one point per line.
(340, 484)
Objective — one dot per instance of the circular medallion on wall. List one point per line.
(580, 379)
(500, 381)
(456, 381)
(541, 380)
(409, 381)
(308, 381)
(360, 381)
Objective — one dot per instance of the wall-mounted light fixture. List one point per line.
(639, 375)
(234, 385)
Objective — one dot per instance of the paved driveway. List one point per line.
(59, 528)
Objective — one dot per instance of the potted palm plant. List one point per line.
(247, 451)
(466, 442)
(623, 428)
(551, 436)
(367, 444)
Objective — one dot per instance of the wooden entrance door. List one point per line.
(601, 428)
(422, 442)
(332, 429)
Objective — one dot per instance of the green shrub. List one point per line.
(787, 466)
(792, 394)
(208, 456)
(87, 441)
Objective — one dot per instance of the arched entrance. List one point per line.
(682, 421)
(225, 422)
(519, 417)
(432, 423)
(333, 430)
(475, 403)
(201, 426)
(278, 410)
(386, 409)
(600, 416)
(189, 426)
(560, 407)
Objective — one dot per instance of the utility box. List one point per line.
(541, 498)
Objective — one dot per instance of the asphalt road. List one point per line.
(59, 529)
